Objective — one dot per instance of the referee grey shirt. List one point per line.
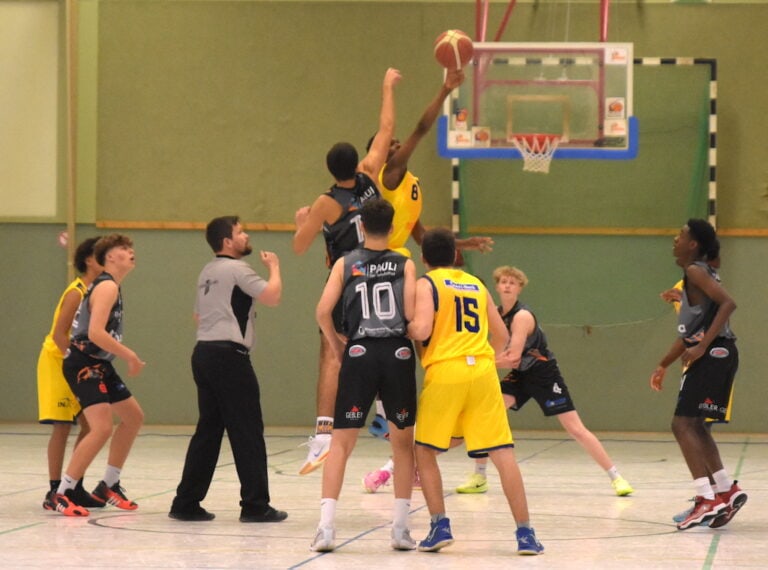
(226, 290)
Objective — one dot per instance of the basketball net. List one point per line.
(537, 151)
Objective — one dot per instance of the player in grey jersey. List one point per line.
(707, 347)
(377, 288)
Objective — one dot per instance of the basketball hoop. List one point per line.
(537, 150)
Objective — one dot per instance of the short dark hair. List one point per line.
(376, 215)
(106, 243)
(370, 142)
(438, 247)
(342, 161)
(218, 229)
(83, 252)
(705, 235)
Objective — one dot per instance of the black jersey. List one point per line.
(346, 233)
(535, 348)
(373, 294)
(79, 335)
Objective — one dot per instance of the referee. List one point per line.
(227, 388)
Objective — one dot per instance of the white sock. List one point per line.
(111, 476)
(389, 466)
(613, 473)
(66, 484)
(380, 409)
(703, 488)
(400, 513)
(481, 468)
(722, 481)
(327, 513)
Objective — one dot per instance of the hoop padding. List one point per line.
(537, 151)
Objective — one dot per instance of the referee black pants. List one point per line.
(228, 398)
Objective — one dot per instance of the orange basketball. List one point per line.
(453, 49)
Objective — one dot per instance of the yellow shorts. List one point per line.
(56, 402)
(463, 398)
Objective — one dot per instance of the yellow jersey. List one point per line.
(77, 284)
(407, 202)
(460, 329)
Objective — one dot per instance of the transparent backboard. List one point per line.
(581, 92)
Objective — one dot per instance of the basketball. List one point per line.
(453, 49)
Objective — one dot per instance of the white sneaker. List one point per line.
(324, 540)
(401, 539)
(319, 446)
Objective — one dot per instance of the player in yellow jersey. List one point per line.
(401, 188)
(56, 403)
(453, 317)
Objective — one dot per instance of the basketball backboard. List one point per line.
(581, 92)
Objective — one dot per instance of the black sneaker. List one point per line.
(85, 499)
(49, 503)
(196, 514)
(268, 516)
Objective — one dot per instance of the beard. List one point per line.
(247, 250)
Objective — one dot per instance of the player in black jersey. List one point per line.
(337, 213)
(376, 289)
(706, 346)
(95, 341)
(536, 375)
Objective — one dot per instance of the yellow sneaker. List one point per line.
(622, 487)
(475, 484)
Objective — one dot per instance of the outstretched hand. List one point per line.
(476, 243)
(453, 78)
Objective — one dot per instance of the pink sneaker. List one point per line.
(376, 479)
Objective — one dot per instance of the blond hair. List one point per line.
(509, 271)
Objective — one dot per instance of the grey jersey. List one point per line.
(226, 289)
(535, 348)
(79, 332)
(373, 294)
(693, 321)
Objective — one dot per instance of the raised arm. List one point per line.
(398, 162)
(377, 154)
(272, 293)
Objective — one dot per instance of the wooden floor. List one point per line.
(577, 517)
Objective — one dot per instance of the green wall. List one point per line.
(195, 109)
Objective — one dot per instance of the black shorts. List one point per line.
(371, 366)
(93, 381)
(705, 387)
(542, 382)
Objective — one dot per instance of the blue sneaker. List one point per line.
(439, 536)
(527, 543)
(379, 427)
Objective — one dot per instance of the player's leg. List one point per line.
(327, 386)
(572, 423)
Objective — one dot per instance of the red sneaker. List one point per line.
(114, 496)
(734, 499)
(704, 510)
(66, 506)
